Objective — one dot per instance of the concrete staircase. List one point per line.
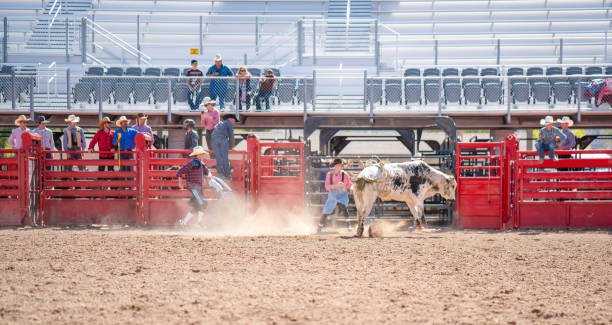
(346, 29)
(53, 39)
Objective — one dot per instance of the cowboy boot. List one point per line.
(322, 222)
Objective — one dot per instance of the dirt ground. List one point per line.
(437, 276)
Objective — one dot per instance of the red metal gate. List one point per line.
(573, 192)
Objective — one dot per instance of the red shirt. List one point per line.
(104, 141)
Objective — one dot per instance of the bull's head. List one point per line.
(448, 188)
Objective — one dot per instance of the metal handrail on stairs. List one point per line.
(115, 40)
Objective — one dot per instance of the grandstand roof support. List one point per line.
(5, 41)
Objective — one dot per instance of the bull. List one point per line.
(411, 182)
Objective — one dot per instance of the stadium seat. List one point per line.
(374, 90)
(562, 91)
(469, 73)
(452, 92)
(449, 72)
(608, 72)
(515, 73)
(555, 71)
(472, 92)
(431, 72)
(276, 71)
(308, 87)
(172, 72)
(412, 92)
(593, 71)
(393, 90)
(142, 92)
(520, 92)
(570, 71)
(490, 75)
(133, 71)
(541, 92)
(432, 92)
(114, 71)
(535, 71)
(583, 85)
(106, 90)
(179, 92)
(5, 88)
(95, 71)
(160, 92)
(286, 90)
(82, 92)
(122, 93)
(255, 72)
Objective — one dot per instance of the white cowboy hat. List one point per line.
(207, 100)
(121, 119)
(567, 120)
(199, 150)
(72, 119)
(547, 120)
(21, 118)
(218, 57)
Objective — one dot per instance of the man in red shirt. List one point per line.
(104, 139)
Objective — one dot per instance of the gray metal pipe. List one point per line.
(68, 89)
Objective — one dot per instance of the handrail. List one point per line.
(117, 41)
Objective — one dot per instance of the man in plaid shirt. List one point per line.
(194, 174)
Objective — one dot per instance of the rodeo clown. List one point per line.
(337, 183)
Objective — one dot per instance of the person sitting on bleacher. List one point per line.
(218, 87)
(265, 90)
(194, 85)
(547, 139)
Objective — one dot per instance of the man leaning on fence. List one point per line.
(141, 125)
(74, 140)
(124, 140)
(104, 139)
(210, 119)
(547, 139)
(46, 136)
(218, 86)
(15, 137)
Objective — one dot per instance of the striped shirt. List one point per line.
(193, 173)
(47, 138)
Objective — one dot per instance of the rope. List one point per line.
(119, 148)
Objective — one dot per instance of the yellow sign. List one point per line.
(194, 51)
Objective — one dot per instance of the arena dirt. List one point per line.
(112, 276)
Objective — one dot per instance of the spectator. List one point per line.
(141, 125)
(265, 90)
(222, 141)
(196, 174)
(194, 85)
(15, 137)
(244, 87)
(210, 119)
(570, 140)
(547, 138)
(74, 139)
(123, 139)
(46, 137)
(218, 87)
(191, 136)
(104, 139)
(337, 183)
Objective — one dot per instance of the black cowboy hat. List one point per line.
(41, 119)
(228, 116)
(336, 161)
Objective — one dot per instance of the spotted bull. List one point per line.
(411, 182)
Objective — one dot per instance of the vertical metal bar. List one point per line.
(170, 100)
(498, 52)
(100, 98)
(138, 36)
(377, 57)
(93, 34)
(67, 55)
(396, 51)
(83, 40)
(365, 89)
(508, 101)
(200, 36)
(579, 113)
(370, 99)
(300, 40)
(314, 42)
(257, 35)
(436, 52)
(13, 95)
(31, 88)
(560, 51)
(606, 47)
(5, 41)
(68, 88)
(314, 89)
(245, 59)
(305, 109)
(304, 92)
(237, 98)
(440, 97)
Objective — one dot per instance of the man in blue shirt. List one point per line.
(547, 139)
(124, 139)
(222, 141)
(218, 87)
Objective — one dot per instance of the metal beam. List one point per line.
(5, 41)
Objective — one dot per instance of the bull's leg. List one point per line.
(421, 208)
(415, 214)
(364, 200)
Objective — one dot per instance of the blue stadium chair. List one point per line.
(133, 71)
(123, 92)
(432, 92)
(472, 92)
(308, 87)
(515, 73)
(493, 92)
(114, 71)
(609, 71)
(286, 90)
(570, 71)
(255, 72)
(541, 92)
(412, 72)
(535, 71)
(179, 93)
(172, 72)
(555, 71)
(95, 71)
(520, 92)
(470, 76)
(142, 92)
(106, 90)
(82, 92)
(562, 91)
(160, 92)
(375, 90)
(393, 90)
(452, 92)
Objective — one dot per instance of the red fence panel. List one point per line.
(480, 185)
(10, 211)
(574, 192)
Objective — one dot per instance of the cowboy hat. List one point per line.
(547, 120)
(121, 119)
(189, 122)
(336, 162)
(218, 57)
(103, 121)
(21, 118)
(567, 120)
(228, 116)
(41, 119)
(72, 119)
(142, 116)
(199, 150)
(207, 100)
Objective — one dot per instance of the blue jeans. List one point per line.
(124, 157)
(218, 91)
(266, 97)
(542, 146)
(197, 93)
(220, 146)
